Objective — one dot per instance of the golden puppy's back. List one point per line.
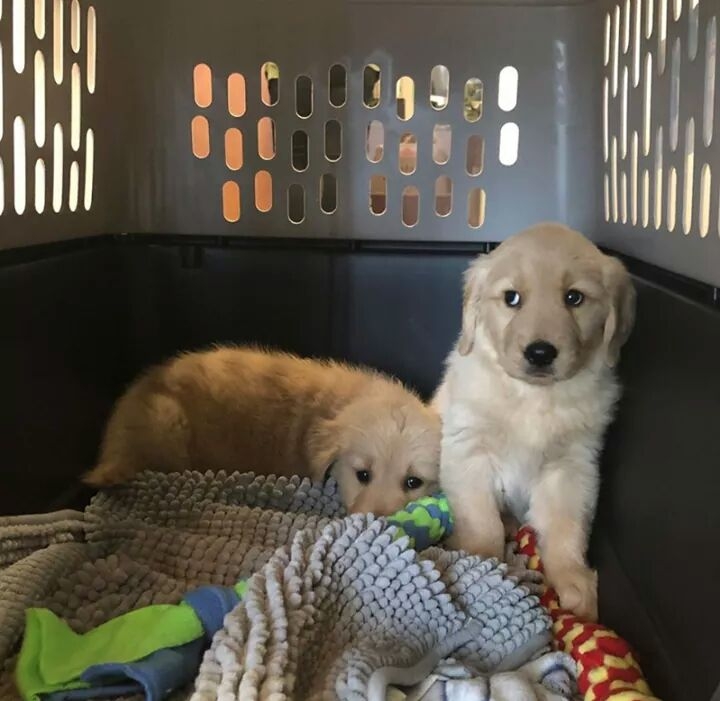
(228, 408)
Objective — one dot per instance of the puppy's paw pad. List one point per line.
(577, 591)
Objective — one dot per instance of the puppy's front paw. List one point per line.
(577, 590)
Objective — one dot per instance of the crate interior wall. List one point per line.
(316, 176)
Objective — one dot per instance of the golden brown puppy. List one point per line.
(271, 413)
(528, 393)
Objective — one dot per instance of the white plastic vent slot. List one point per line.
(693, 28)
(709, 88)
(18, 35)
(19, 166)
(508, 89)
(75, 26)
(2, 105)
(657, 218)
(689, 176)
(509, 143)
(2, 187)
(39, 99)
(58, 51)
(74, 187)
(705, 194)
(40, 186)
(40, 19)
(91, 49)
(57, 168)
(675, 96)
(75, 92)
(89, 168)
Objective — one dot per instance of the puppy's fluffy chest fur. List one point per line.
(523, 429)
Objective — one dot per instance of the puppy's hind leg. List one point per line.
(148, 430)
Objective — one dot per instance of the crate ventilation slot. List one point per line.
(657, 136)
(265, 139)
(47, 149)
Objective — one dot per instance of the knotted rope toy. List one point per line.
(607, 668)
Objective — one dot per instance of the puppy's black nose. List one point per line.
(540, 353)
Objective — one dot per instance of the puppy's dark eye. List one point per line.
(413, 483)
(574, 298)
(363, 476)
(512, 298)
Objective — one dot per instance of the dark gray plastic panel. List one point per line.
(638, 219)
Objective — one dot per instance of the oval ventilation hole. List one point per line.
(237, 98)
(509, 143)
(623, 197)
(636, 43)
(39, 99)
(439, 87)
(705, 190)
(371, 86)
(634, 179)
(269, 83)
(405, 97)
(74, 187)
(476, 208)
(662, 36)
(615, 57)
(659, 179)
(57, 185)
(200, 131)
(473, 100)
(19, 165)
(407, 154)
(675, 96)
(606, 40)
(231, 201)
(649, 19)
(688, 176)
(624, 115)
(475, 155)
(263, 191)
(614, 199)
(693, 28)
(410, 206)
(626, 26)
(333, 140)
(303, 96)
(75, 26)
(58, 39)
(375, 141)
(709, 88)
(296, 204)
(442, 143)
(267, 146)
(18, 35)
(508, 89)
(606, 196)
(202, 85)
(672, 199)
(443, 196)
(378, 194)
(677, 9)
(605, 123)
(89, 169)
(645, 198)
(75, 107)
(233, 149)
(337, 85)
(300, 151)
(2, 186)
(328, 194)
(39, 186)
(40, 19)
(647, 104)
(91, 49)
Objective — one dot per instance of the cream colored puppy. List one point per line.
(273, 413)
(528, 393)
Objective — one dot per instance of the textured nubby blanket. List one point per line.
(336, 607)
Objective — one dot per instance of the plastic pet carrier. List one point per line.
(315, 176)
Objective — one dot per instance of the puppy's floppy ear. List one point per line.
(475, 278)
(323, 448)
(621, 315)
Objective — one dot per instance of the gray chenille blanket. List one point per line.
(336, 607)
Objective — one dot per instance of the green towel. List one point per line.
(53, 656)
